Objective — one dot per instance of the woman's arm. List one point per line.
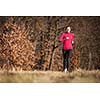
(72, 38)
(61, 38)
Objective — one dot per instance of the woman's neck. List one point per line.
(67, 32)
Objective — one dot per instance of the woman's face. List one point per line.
(68, 29)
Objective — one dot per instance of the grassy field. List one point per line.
(81, 76)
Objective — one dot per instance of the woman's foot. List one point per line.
(65, 70)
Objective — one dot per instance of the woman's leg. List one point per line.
(69, 53)
(64, 59)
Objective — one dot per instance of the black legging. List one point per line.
(66, 58)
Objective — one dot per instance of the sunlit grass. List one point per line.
(81, 76)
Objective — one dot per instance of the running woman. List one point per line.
(67, 38)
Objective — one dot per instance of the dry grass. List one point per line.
(50, 77)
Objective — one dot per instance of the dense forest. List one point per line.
(31, 42)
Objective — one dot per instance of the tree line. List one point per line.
(30, 43)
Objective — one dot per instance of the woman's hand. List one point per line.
(72, 42)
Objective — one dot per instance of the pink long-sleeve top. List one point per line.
(67, 38)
